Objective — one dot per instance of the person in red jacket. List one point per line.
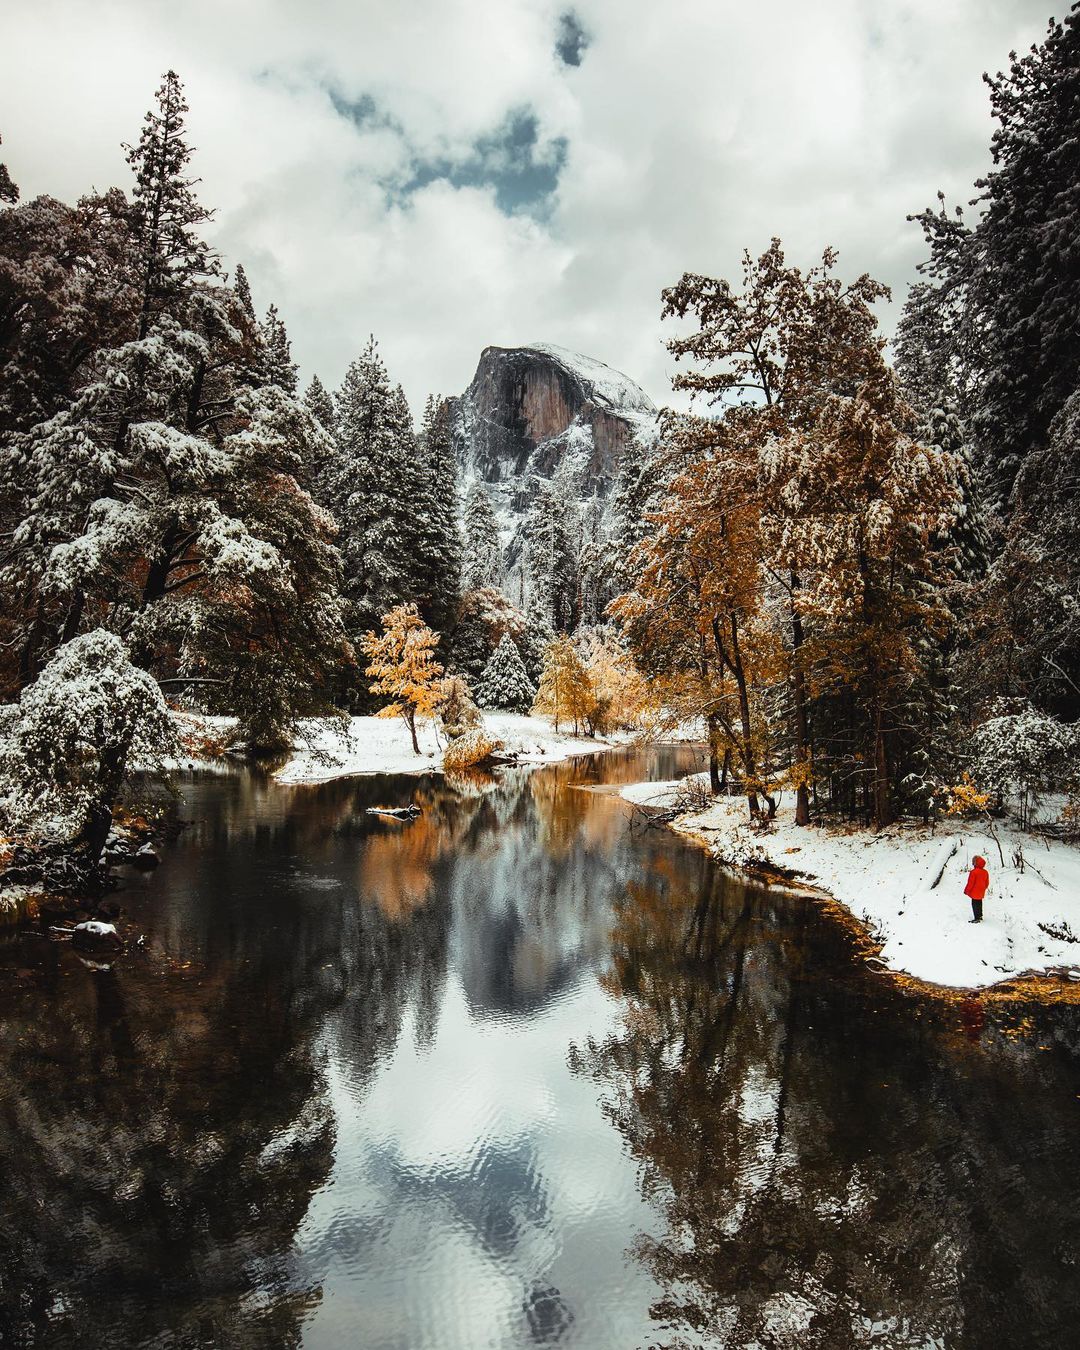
(977, 882)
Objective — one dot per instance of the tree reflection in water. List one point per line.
(332, 1099)
(838, 1163)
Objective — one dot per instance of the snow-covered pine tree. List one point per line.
(1032, 593)
(1014, 275)
(368, 486)
(483, 561)
(438, 540)
(549, 557)
(161, 500)
(320, 404)
(276, 365)
(505, 683)
(242, 287)
(165, 212)
(9, 192)
(595, 585)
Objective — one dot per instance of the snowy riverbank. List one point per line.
(327, 749)
(886, 880)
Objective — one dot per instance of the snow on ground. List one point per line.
(328, 749)
(885, 879)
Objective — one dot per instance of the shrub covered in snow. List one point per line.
(68, 745)
(1026, 753)
(458, 712)
(472, 748)
(505, 683)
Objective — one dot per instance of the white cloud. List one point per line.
(693, 129)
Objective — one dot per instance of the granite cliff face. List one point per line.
(539, 411)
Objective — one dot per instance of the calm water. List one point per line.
(519, 1073)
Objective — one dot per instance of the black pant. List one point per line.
(976, 909)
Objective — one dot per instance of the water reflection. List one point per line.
(837, 1164)
(350, 1094)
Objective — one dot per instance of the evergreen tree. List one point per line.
(321, 405)
(483, 563)
(637, 491)
(165, 212)
(243, 293)
(89, 722)
(368, 487)
(550, 557)
(505, 683)
(161, 497)
(276, 365)
(8, 191)
(595, 586)
(1014, 277)
(437, 539)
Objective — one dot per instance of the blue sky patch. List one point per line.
(572, 39)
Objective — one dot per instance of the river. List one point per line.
(522, 1072)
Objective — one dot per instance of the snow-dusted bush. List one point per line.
(505, 683)
(1024, 753)
(471, 748)
(68, 745)
(458, 712)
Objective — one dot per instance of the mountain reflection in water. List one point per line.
(514, 1073)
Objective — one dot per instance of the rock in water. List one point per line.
(96, 936)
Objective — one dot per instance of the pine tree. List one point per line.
(367, 487)
(8, 191)
(320, 404)
(505, 683)
(483, 562)
(402, 663)
(276, 365)
(243, 293)
(550, 557)
(165, 212)
(161, 497)
(638, 486)
(437, 539)
(1013, 279)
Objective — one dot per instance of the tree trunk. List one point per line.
(714, 764)
(74, 617)
(748, 757)
(28, 657)
(882, 805)
(798, 698)
(98, 820)
(410, 721)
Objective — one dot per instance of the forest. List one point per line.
(855, 565)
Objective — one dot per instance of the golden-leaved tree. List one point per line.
(565, 692)
(697, 614)
(401, 661)
(792, 559)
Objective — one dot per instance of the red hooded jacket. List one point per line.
(978, 879)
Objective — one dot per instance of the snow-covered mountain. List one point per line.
(544, 412)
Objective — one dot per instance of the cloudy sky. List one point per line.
(450, 174)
